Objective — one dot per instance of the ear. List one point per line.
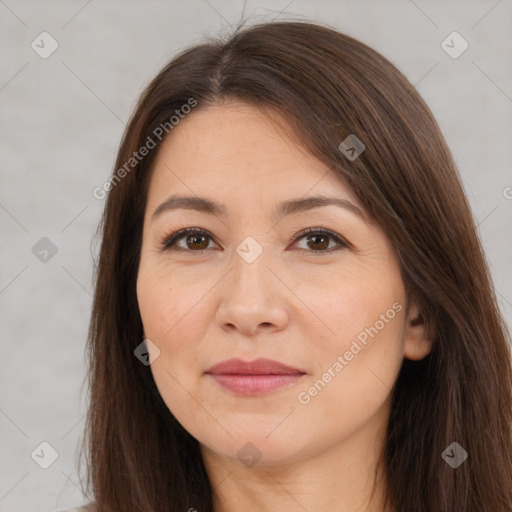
(417, 342)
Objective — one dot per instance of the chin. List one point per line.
(257, 449)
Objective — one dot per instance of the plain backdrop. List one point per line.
(61, 120)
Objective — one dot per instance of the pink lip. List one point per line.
(254, 377)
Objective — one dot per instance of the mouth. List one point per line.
(254, 377)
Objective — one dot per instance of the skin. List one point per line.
(290, 305)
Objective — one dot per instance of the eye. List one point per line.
(317, 239)
(194, 238)
(197, 240)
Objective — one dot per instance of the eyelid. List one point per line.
(340, 240)
(167, 243)
(169, 240)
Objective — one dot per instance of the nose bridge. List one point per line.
(250, 272)
(250, 296)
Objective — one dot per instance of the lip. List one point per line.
(259, 366)
(254, 377)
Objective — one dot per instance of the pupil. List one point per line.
(324, 245)
(313, 238)
(195, 238)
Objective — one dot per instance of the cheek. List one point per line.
(356, 371)
(165, 304)
(170, 312)
(360, 348)
(167, 313)
(350, 301)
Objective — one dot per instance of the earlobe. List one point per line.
(417, 343)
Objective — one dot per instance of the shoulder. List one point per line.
(84, 508)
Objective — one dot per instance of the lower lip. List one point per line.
(255, 384)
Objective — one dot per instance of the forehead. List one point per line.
(238, 152)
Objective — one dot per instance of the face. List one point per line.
(249, 283)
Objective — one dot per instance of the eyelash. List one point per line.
(168, 242)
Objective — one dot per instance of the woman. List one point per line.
(292, 308)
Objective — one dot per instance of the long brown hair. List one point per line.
(327, 86)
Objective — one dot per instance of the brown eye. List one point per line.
(196, 241)
(318, 241)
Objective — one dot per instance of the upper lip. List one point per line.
(259, 366)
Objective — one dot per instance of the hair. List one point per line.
(326, 86)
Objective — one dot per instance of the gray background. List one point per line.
(61, 122)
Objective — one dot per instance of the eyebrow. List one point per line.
(290, 207)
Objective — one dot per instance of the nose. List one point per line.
(253, 298)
